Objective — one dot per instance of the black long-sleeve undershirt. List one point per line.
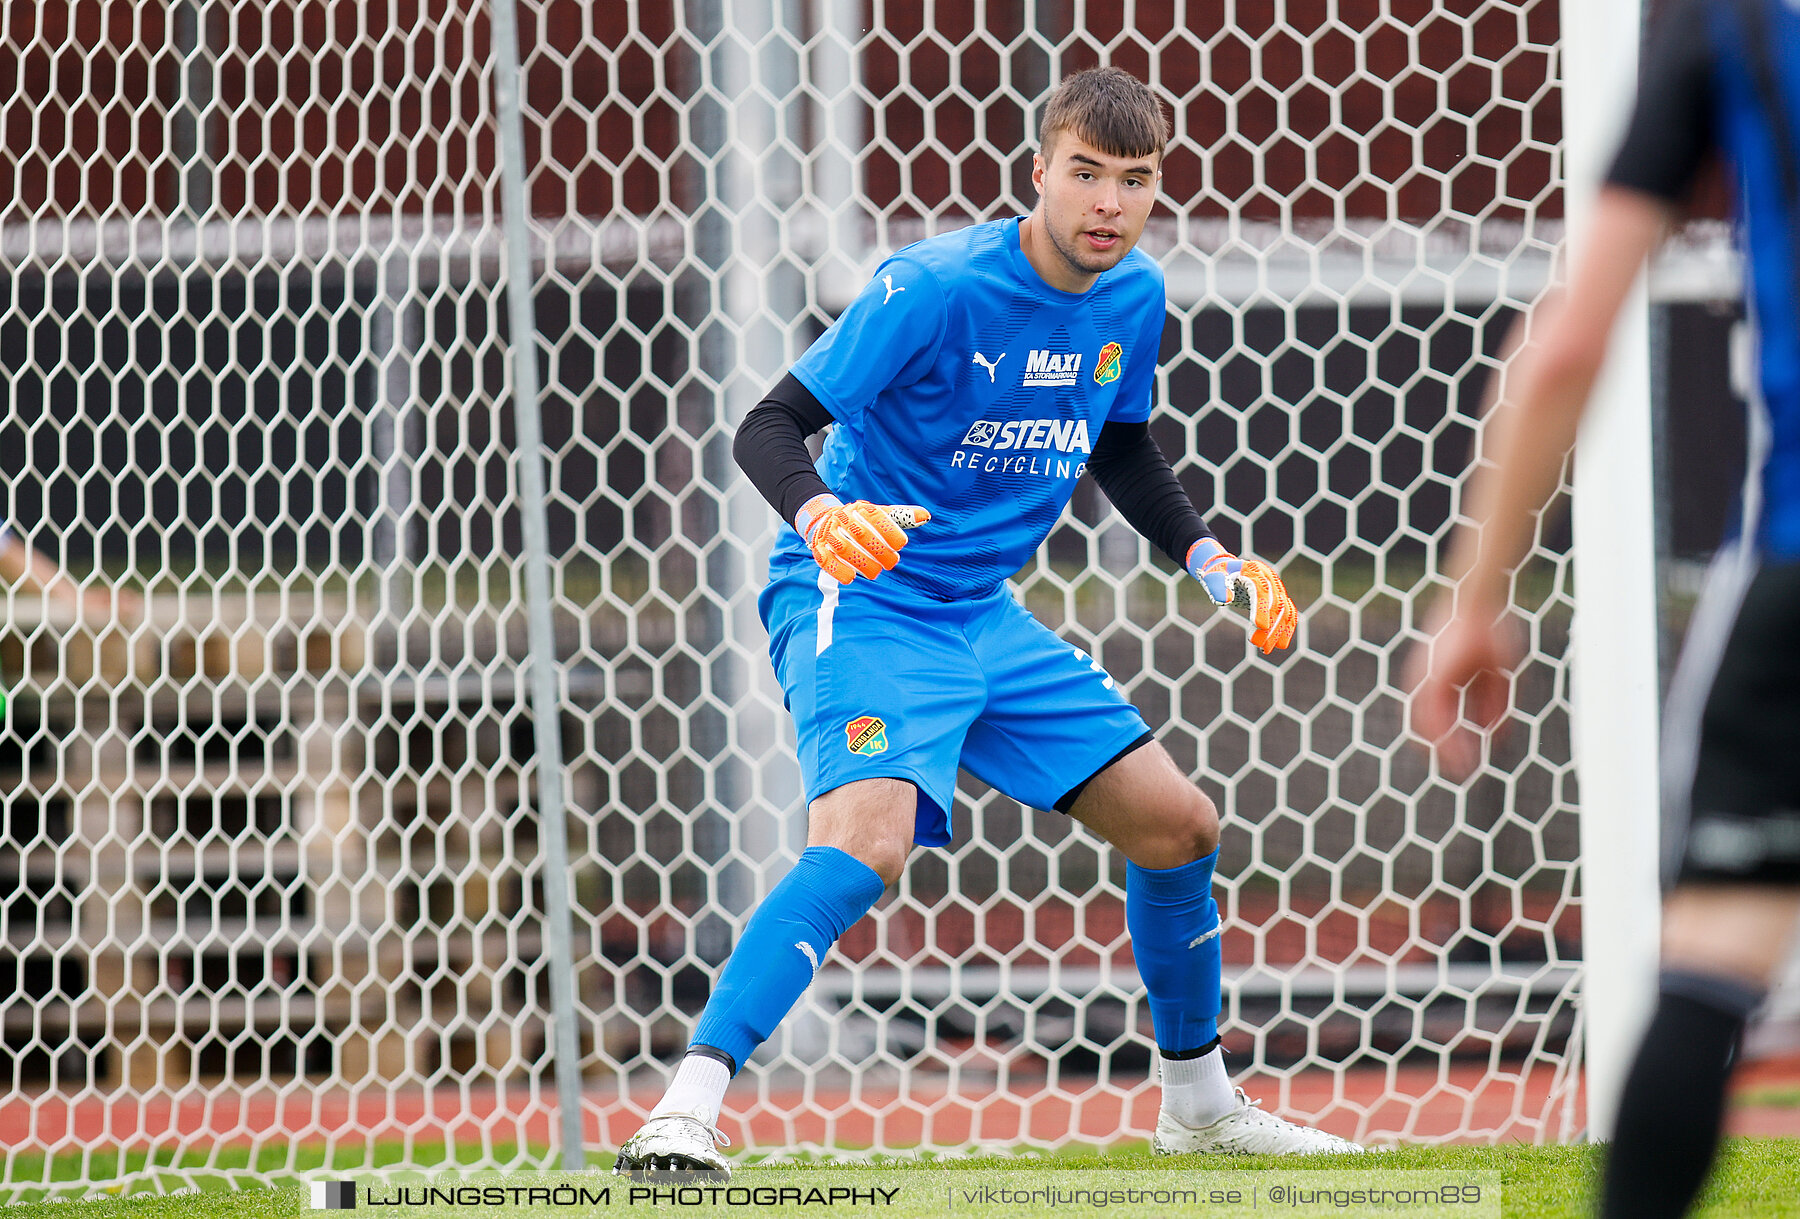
(1127, 464)
(770, 446)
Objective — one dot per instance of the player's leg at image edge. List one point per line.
(1673, 1106)
(774, 961)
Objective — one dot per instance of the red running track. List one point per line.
(1405, 1104)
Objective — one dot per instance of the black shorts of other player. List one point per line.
(1738, 788)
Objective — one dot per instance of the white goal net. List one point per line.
(270, 850)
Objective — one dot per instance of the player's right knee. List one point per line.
(884, 856)
(870, 820)
(886, 860)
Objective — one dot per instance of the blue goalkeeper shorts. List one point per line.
(886, 682)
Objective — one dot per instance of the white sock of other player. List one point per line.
(1197, 1091)
(698, 1090)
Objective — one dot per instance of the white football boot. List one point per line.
(674, 1142)
(1245, 1131)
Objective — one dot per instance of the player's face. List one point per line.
(1092, 207)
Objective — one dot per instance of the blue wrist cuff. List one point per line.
(1201, 553)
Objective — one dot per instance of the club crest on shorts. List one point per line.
(867, 735)
(1108, 366)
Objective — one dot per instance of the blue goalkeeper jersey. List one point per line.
(962, 382)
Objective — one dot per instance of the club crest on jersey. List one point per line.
(1107, 368)
(867, 735)
(1051, 368)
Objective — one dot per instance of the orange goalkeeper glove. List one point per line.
(856, 538)
(1248, 585)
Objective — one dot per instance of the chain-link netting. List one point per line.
(269, 845)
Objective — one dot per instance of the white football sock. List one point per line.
(1197, 1091)
(698, 1090)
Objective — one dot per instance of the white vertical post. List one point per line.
(752, 69)
(546, 702)
(191, 126)
(758, 183)
(395, 432)
(839, 116)
(1615, 652)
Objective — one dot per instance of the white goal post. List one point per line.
(274, 855)
(1615, 668)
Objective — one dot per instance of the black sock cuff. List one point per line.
(714, 1053)
(1202, 1052)
(1733, 997)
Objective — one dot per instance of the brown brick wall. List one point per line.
(1424, 110)
(381, 105)
(373, 106)
(79, 128)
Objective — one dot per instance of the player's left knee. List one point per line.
(1199, 826)
(1187, 830)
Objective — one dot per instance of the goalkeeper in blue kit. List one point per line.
(968, 388)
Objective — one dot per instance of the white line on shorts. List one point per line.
(828, 591)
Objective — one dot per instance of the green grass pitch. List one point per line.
(1756, 1177)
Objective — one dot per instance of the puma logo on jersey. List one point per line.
(990, 366)
(812, 958)
(891, 290)
(1051, 368)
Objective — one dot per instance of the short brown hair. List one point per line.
(1108, 108)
